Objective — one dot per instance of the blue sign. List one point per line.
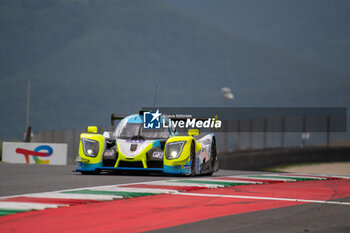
(151, 120)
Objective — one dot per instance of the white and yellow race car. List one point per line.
(133, 146)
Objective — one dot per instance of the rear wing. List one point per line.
(115, 117)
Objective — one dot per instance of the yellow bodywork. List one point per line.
(140, 157)
(92, 129)
(186, 150)
(87, 159)
(183, 159)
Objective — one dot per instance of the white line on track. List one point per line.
(265, 198)
(75, 189)
(321, 175)
(261, 178)
(136, 190)
(26, 206)
(225, 181)
(178, 183)
(298, 177)
(233, 180)
(77, 196)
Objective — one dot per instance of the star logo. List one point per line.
(151, 120)
(156, 115)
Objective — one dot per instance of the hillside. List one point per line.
(87, 59)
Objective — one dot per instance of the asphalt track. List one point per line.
(22, 178)
(279, 217)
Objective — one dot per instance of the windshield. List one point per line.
(127, 130)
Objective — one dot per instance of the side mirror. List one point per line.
(92, 129)
(193, 132)
(108, 134)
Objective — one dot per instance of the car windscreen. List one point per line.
(127, 130)
(161, 133)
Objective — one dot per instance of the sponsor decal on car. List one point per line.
(109, 154)
(133, 147)
(157, 154)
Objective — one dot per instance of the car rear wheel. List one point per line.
(193, 159)
(212, 157)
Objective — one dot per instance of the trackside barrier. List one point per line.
(34, 153)
(260, 159)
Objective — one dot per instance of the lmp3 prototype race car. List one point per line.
(132, 146)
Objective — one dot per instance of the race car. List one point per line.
(131, 146)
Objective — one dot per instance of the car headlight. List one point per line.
(174, 149)
(91, 147)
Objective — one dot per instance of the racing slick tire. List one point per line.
(193, 159)
(212, 157)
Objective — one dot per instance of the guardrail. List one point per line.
(260, 159)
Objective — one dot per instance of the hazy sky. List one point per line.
(316, 30)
